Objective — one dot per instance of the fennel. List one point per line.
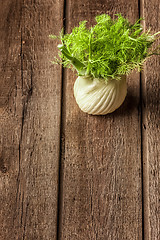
(107, 52)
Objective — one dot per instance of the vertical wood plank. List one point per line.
(30, 106)
(151, 127)
(101, 169)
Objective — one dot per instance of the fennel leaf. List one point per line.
(109, 49)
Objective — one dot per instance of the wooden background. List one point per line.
(64, 174)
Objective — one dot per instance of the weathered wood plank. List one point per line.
(30, 102)
(101, 168)
(151, 128)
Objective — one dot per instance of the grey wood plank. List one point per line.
(30, 107)
(101, 155)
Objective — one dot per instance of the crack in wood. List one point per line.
(25, 101)
(25, 221)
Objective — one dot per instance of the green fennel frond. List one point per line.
(108, 49)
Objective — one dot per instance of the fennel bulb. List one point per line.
(99, 97)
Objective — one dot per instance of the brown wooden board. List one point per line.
(151, 127)
(30, 102)
(101, 194)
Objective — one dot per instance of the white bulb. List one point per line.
(99, 97)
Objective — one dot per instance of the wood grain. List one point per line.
(30, 102)
(151, 127)
(101, 168)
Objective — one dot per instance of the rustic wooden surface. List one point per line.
(30, 100)
(64, 174)
(151, 128)
(101, 171)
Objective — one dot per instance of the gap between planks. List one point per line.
(144, 158)
(62, 139)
